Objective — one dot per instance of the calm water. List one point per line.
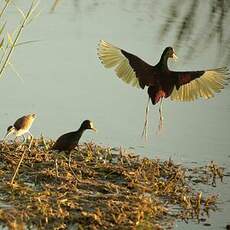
(65, 83)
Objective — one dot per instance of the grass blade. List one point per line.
(1, 43)
(14, 42)
(4, 8)
(2, 28)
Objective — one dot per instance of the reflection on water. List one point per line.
(55, 3)
(182, 17)
(64, 82)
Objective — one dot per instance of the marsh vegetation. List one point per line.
(106, 189)
(9, 40)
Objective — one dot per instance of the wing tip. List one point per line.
(111, 56)
(99, 46)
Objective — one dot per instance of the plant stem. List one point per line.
(4, 8)
(16, 38)
(18, 166)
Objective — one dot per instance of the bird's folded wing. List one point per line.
(192, 85)
(22, 123)
(128, 67)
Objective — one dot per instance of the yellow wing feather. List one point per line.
(111, 56)
(211, 82)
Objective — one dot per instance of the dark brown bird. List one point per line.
(21, 126)
(69, 141)
(162, 82)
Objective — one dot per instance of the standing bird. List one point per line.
(69, 141)
(21, 126)
(162, 82)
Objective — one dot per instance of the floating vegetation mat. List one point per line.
(98, 188)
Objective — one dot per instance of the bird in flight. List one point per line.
(161, 81)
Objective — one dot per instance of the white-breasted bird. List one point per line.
(21, 126)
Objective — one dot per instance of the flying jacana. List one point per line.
(21, 126)
(69, 141)
(162, 82)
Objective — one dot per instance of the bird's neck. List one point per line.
(163, 63)
(80, 131)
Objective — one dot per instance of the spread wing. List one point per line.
(192, 85)
(128, 67)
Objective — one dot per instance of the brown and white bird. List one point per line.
(160, 80)
(21, 126)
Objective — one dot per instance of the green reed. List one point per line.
(9, 41)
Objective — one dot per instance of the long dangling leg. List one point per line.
(161, 115)
(144, 132)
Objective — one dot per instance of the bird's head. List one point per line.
(170, 53)
(87, 124)
(33, 116)
(9, 130)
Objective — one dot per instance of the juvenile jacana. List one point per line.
(162, 82)
(21, 126)
(69, 141)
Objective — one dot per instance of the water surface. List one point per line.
(65, 83)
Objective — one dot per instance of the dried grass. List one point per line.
(113, 190)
